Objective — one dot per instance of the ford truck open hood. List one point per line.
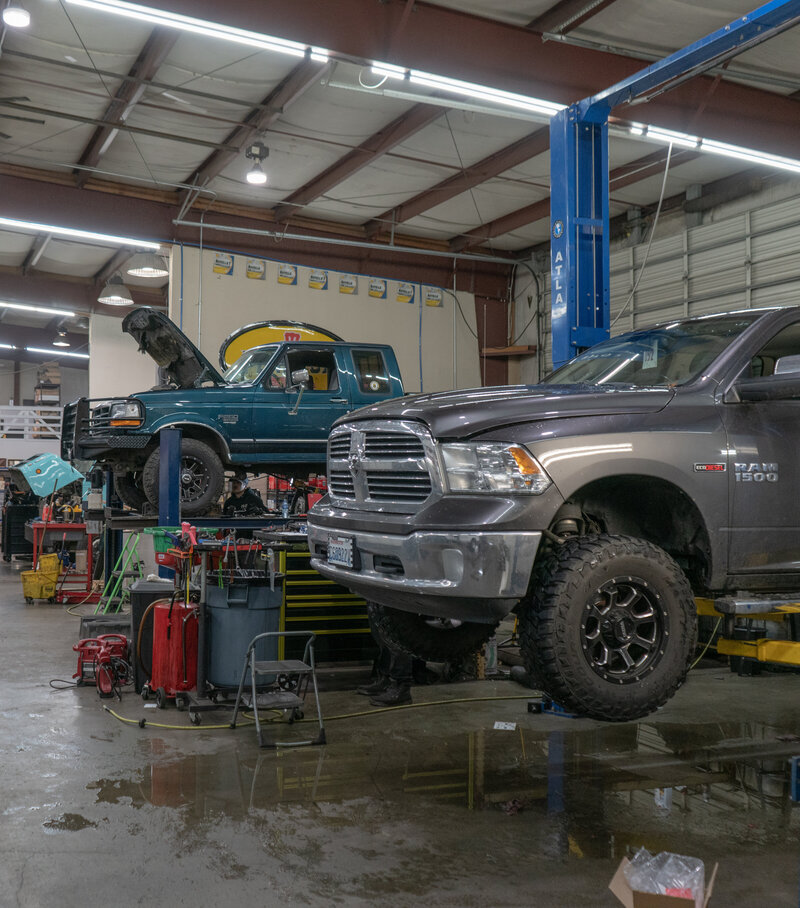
(164, 341)
(461, 414)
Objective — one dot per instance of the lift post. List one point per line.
(579, 207)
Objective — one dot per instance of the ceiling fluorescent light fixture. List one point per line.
(751, 155)
(676, 138)
(71, 233)
(8, 347)
(56, 353)
(711, 146)
(203, 27)
(23, 308)
(468, 89)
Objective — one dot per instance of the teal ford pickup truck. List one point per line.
(271, 410)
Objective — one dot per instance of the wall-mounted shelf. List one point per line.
(520, 350)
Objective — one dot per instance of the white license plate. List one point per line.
(340, 551)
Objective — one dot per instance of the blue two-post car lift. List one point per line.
(580, 183)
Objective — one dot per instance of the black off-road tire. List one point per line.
(595, 599)
(130, 490)
(423, 637)
(198, 459)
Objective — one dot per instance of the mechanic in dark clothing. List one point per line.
(393, 677)
(243, 501)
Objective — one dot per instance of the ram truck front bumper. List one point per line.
(469, 576)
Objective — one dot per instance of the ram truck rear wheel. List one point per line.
(427, 638)
(610, 627)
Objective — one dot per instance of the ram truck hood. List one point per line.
(164, 342)
(462, 414)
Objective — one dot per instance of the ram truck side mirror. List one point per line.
(771, 387)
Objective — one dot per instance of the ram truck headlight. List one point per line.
(126, 413)
(493, 467)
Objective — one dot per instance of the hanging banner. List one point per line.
(377, 288)
(317, 279)
(433, 297)
(348, 283)
(223, 263)
(405, 293)
(256, 269)
(287, 274)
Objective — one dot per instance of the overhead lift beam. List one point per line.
(579, 215)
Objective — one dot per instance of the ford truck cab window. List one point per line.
(666, 355)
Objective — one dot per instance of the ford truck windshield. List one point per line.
(250, 365)
(666, 355)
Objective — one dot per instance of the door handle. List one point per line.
(338, 400)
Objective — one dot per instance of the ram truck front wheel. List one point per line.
(610, 626)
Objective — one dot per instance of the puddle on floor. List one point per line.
(594, 790)
(68, 822)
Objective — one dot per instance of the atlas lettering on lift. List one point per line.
(756, 472)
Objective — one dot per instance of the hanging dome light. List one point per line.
(256, 175)
(61, 339)
(115, 293)
(16, 16)
(257, 152)
(147, 264)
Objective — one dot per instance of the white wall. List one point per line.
(232, 301)
(74, 382)
(116, 368)
(743, 255)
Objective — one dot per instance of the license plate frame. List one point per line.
(341, 551)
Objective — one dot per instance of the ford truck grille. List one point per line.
(384, 464)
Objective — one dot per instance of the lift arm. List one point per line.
(579, 207)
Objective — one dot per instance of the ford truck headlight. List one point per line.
(126, 413)
(493, 467)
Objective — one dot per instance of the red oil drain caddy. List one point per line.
(174, 668)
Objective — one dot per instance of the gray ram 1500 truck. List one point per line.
(659, 465)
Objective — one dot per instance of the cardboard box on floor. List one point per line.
(632, 898)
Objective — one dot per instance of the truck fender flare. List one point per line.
(177, 424)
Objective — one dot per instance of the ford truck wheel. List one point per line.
(610, 627)
(130, 490)
(201, 477)
(423, 637)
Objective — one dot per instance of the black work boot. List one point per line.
(378, 686)
(394, 695)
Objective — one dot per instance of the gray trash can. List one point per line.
(235, 613)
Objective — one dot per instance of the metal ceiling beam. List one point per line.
(112, 266)
(400, 129)
(524, 149)
(35, 252)
(567, 14)
(78, 294)
(503, 56)
(155, 51)
(625, 175)
(94, 121)
(260, 118)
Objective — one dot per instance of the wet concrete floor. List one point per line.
(427, 806)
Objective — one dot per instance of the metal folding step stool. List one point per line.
(287, 689)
